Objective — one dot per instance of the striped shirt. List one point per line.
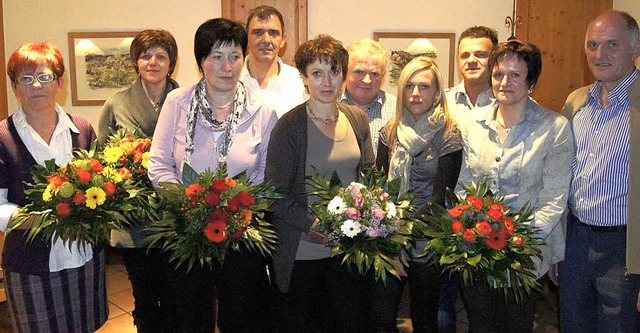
(380, 112)
(599, 189)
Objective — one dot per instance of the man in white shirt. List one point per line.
(268, 80)
(474, 47)
(365, 76)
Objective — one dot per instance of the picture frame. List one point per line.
(444, 42)
(100, 65)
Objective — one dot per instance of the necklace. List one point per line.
(325, 121)
(506, 129)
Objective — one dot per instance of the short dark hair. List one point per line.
(324, 48)
(216, 33)
(147, 39)
(479, 31)
(263, 13)
(526, 52)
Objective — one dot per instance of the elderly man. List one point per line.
(268, 80)
(599, 277)
(474, 47)
(365, 76)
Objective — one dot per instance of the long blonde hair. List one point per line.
(440, 104)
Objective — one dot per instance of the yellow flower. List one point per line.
(112, 174)
(145, 160)
(113, 154)
(128, 147)
(95, 196)
(47, 195)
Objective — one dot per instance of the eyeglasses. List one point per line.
(42, 78)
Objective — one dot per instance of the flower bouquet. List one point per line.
(366, 222)
(478, 236)
(128, 152)
(81, 201)
(210, 214)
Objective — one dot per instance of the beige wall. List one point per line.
(347, 20)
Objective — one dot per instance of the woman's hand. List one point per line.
(399, 263)
(21, 221)
(315, 236)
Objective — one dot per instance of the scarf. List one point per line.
(200, 112)
(413, 137)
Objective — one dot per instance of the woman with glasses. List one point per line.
(50, 287)
(154, 54)
(422, 147)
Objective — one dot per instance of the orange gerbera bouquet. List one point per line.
(211, 214)
(79, 201)
(478, 236)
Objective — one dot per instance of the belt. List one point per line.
(598, 228)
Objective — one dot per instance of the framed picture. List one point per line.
(400, 41)
(100, 65)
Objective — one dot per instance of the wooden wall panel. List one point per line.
(558, 29)
(294, 13)
(4, 101)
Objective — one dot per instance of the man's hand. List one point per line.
(553, 273)
(638, 303)
(21, 220)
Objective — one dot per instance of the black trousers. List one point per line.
(155, 306)
(323, 296)
(244, 303)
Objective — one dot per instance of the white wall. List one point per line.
(347, 20)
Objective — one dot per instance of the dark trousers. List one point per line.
(155, 307)
(449, 289)
(595, 295)
(323, 296)
(243, 297)
(490, 311)
(424, 293)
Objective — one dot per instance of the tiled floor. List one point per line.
(121, 305)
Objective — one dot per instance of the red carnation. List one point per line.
(233, 204)
(468, 235)
(193, 199)
(218, 186)
(63, 209)
(475, 202)
(79, 198)
(96, 166)
(457, 211)
(245, 199)
(483, 228)
(456, 226)
(218, 216)
(109, 188)
(83, 175)
(215, 232)
(494, 214)
(507, 225)
(193, 189)
(212, 199)
(497, 240)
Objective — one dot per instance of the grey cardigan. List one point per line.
(286, 159)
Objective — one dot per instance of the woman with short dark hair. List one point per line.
(154, 54)
(526, 152)
(319, 294)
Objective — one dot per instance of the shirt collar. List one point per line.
(380, 99)
(618, 93)
(64, 122)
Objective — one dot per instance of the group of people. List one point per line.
(252, 113)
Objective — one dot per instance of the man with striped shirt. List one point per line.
(599, 278)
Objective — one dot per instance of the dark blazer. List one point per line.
(286, 160)
(15, 166)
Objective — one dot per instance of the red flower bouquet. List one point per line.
(478, 236)
(80, 201)
(211, 214)
(128, 152)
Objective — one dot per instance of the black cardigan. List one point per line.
(15, 166)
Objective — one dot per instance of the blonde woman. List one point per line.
(423, 148)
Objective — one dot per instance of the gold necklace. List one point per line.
(325, 121)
